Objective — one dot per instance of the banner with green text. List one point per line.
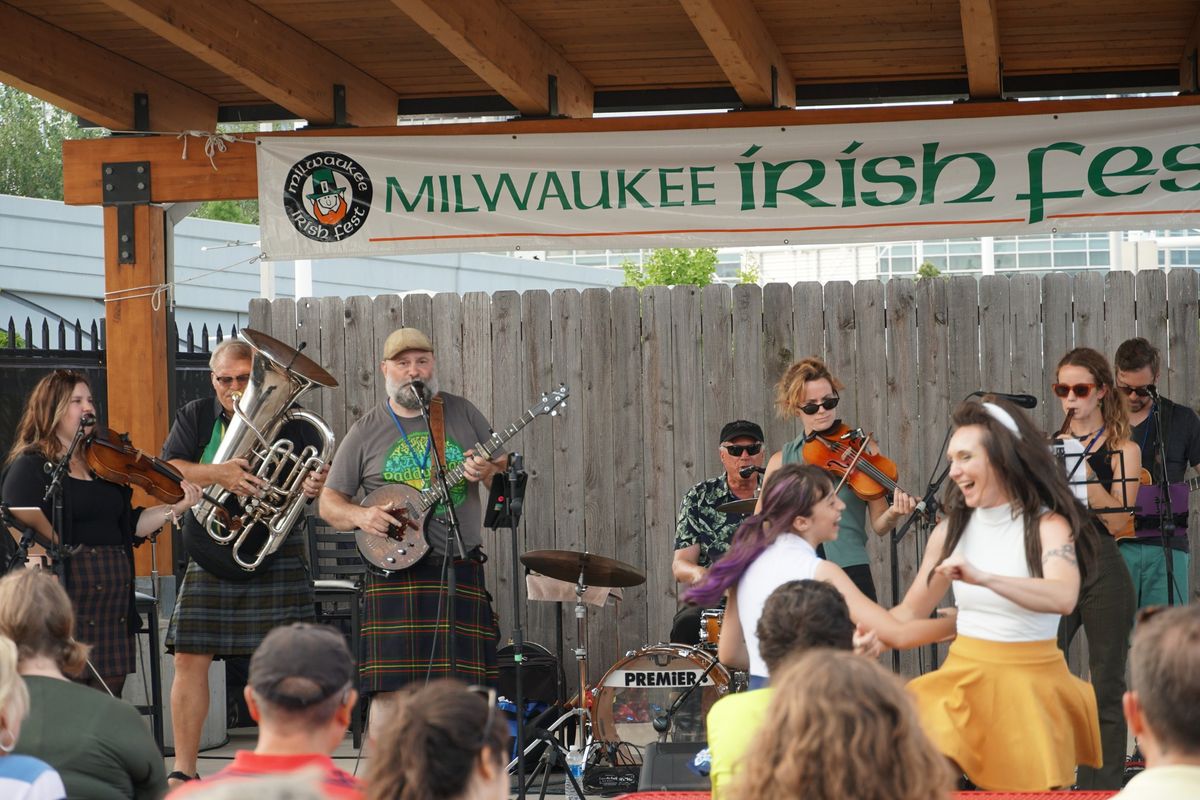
(359, 195)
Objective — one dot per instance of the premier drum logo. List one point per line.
(327, 196)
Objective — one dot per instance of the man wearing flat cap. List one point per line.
(703, 534)
(301, 693)
(404, 627)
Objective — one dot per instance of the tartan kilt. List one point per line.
(230, 618)
(404, 627)
(99, 583)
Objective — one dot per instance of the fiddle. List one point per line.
(111, 456)
(843, 451)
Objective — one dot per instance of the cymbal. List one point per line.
(739, 506)
(597, 570)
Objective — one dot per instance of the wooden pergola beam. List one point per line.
(278, 62)
(1189, 59)
(501, 49)
(739, 40)
(77, 76)
(981, 43)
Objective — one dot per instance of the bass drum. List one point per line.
(645, 683)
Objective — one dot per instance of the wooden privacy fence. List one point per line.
(654, 374)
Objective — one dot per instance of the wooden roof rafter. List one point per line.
(1189, 59)
(94, 83)
(244, 42)
(743, 46)
(499, 47)
(981, 43)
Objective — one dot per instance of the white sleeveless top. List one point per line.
(788, 558)
(994, 540)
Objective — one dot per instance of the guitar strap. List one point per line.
(437, 426)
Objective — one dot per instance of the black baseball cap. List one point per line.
(741, 427)
(301, 664)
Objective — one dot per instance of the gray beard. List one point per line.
(402, 394)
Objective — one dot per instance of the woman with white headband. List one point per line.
(1003, 707)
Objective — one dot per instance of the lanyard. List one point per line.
(423, 463)
(1087, 450)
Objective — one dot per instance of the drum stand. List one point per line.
(555, 750)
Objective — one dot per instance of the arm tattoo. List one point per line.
(1066, 553)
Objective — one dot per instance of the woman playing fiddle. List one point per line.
(100, 527)
(1097, 417)
(810, 391)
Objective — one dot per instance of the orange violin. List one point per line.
(112, 457)
(842, 450)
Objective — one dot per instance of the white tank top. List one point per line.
(995, 541)
(788, 558)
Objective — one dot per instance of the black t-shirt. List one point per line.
(95, 512)
(1182, 449)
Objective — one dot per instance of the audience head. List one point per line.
(442, 741)
(799, 616)
(14, 697)
(1164, 684)
(829, 701)
(302, 678)
(35, 612)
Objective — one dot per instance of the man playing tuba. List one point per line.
(214, 616)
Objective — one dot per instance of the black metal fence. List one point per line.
(27, 353)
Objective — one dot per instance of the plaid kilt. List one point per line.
(99, 580)
(229, 618)
(404, 627)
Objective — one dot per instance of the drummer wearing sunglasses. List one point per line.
(702, 533)
(809, 391)
(1138, 364)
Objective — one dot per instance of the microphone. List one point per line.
(87, 420)
(746, 472)
(1022, 400)
(418, 390)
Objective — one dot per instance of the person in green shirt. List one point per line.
(100, 746)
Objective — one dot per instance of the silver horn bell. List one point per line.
(279, 376)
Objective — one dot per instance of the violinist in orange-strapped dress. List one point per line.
(809, 391)
(100, 525)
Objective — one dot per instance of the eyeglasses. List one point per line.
(829, 404)
(229, 380)
(1081, 390)
(489, 695)
(1139, 391)
(736, 450)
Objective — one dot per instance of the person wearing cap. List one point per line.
(809, 391)
(404, 628)
(702, 533)
(300, 691)
(215, 617)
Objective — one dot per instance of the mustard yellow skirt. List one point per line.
(1010, 714)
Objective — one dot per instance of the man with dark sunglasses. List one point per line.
(702, 533)
(1137, 365)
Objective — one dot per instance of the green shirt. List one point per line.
(849, 549)
(101, 747)
(700, 523)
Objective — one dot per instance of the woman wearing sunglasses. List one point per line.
(808, 390)
(1097, 416)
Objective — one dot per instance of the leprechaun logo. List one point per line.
(327, 196)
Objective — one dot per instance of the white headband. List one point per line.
(1003, 417)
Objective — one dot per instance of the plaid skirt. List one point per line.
(99, 582)
(228, 618)
(404, 628)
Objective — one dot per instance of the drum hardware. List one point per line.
(710, 628)
(584, 569)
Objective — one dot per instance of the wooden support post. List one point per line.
(136, 347)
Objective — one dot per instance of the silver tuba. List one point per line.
(279, 375)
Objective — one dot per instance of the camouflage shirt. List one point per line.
(700, 523)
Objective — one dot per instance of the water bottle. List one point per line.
(575, 759)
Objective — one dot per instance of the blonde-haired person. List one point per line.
(442, 741)
(832, 701)
(100, 746)
(810, 392)
(1099, 417)
(21, 777)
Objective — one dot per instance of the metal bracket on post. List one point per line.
(141, 112)
(339, 105)
(125, 184)
(552, 95)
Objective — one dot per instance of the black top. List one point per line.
(191, 430)
(1182, 440)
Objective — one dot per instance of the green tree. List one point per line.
(927, 270)
(31, 137)
(670, 266)
(750, 271)
(245, 211)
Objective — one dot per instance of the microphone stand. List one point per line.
(453, 539)
(1166, 516)
(514, 498)
(54, 495)
(662, 723)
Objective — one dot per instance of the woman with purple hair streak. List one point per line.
(799, 511)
